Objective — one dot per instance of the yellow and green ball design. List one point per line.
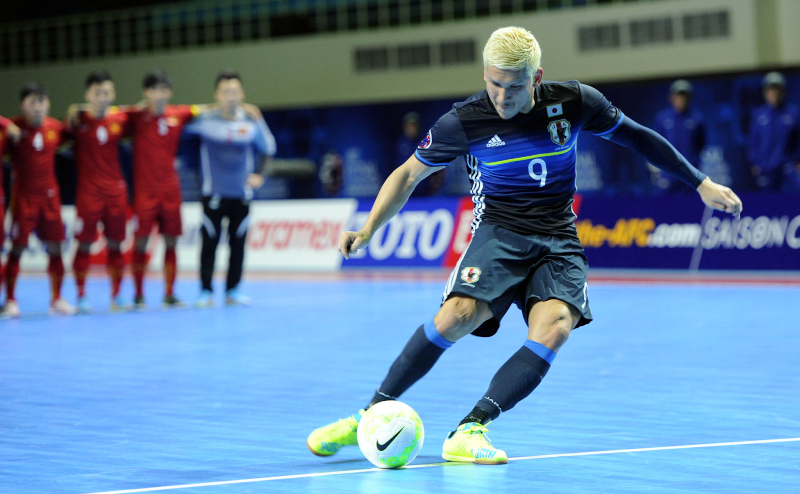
(390, 434)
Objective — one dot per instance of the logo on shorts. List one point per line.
(426, 141)
(471, 275)
(559, 131)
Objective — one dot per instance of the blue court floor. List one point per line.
(138, 401)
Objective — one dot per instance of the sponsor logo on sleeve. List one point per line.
(426, 141)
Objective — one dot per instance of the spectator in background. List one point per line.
(408, 142)
(684, 128)
(407, 145)
(774, 144)
(330, 173)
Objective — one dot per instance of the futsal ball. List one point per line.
(390, 434)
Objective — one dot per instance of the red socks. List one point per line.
(81, 267)
(139, 268)
(55, 269)
(12, 271)
(170, 268)
(116, 268)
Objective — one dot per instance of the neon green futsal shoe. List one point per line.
(469, 442)
(327, 440)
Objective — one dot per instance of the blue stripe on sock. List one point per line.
(434, 336)
(541, 350)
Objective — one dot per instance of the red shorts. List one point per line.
(36, 213)
(162, 210)
(112, 211)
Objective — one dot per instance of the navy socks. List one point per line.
(515, 380)
(417, 358)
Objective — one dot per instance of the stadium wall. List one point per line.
(321, 69)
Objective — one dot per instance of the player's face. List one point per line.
(100, 96)
(229, 93)
(158, 95)
(773, 95)
(511, 91)
(679, 101)
(35, 108)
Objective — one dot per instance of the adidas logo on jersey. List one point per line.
(495, 142)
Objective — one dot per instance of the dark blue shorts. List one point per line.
(501, 267)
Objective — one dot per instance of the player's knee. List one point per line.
(53, 249)
(553, 326)
(114, 245)
(84, 247)
(170, 242)
(457, 317)
(17, 250)
(141, 244)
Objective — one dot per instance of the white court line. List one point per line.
(428, 465)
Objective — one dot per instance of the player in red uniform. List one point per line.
(8, 132)
(156, 128)
(156, 186)
(35, 198)
(102, 195)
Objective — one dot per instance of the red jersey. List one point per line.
(155, 143)
(97, 153)
(34, 156)
(3, 139)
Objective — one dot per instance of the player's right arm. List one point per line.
(392, 197)
(444, 142)
(10, 128)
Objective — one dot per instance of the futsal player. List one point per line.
(518, 137)
(8, 132)
(35, 196)
(230, 143)
(156, 186)
(102, 194)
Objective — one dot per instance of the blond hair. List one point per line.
(513, 48)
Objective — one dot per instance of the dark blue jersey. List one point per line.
(522, 169)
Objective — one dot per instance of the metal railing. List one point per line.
(209, 22)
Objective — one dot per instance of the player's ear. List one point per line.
(538, 76)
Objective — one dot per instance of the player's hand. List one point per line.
(350, 242)
(255, 180)
(253, 111)
(13, 133)
(719, 197)
(73, 113)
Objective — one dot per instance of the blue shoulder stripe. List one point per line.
(612, 129)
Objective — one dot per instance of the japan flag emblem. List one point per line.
(470, 275)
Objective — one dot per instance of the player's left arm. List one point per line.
(264, 144)
(606, 121)
(658, 151)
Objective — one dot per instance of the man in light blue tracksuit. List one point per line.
(234, 152)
